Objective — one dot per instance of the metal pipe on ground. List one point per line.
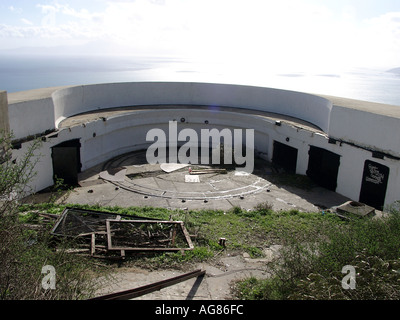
(137, 292)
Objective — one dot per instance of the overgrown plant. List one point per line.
(25, 251)
(15, 174)
(60, 191)
(312, 268)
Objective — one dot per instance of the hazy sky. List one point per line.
(291, 33)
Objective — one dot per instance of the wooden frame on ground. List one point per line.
(180, 224)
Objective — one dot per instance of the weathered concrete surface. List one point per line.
(31, 95)
(227, 266)
(355, 130)
(372, 107)
(4, 121)
(215, 285)
(86, 117)
(148, 185)
(356, 209)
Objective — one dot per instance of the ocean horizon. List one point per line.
(20, 73)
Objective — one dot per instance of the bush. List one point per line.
(311, 268)
(264, 208)
(24, 251)
(256, 289)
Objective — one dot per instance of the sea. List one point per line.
(20, 73)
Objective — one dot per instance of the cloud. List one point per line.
(380, 40)
(14, 9)
(60, 23)
(26, 21)
(248, 33)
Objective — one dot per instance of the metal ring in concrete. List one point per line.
(150, 180)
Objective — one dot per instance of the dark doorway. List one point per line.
(67, 161)
(323, 167)
(285, 157)
(374, 184)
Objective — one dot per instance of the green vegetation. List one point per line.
(244, 231)
(315, 247)
(311, 268)
(25, 243)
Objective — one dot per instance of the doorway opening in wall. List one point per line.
(323, 167)
(374, 184)
(285, 157)
(66, 158)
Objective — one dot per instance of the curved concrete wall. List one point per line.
(75, 100)
(28, 118)
(355, 130)
(121, 134)
(366, 129)
(367, 125)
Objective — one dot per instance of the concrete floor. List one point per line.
(214, 285)
(132, 182)
(148, 185)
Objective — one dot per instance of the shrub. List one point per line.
(311, 268)
(23, 251)
(258, 289)
(264, 208)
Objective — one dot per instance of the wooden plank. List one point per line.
(205, 171)
(140, 291)
(90, 233)
(93, 245)
(148, 249)
(144, 221)
(60, 219)
(187, 236)
(173, 236)
(108, 228)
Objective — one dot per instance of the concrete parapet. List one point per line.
(4, 120)
(350, 121)
(112, 119)
(75, 100)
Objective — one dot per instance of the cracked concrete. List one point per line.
(155, 185)
(215, 285)
(148, 185)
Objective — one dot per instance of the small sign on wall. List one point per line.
(374, 184)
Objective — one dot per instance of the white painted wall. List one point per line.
(75, 100)
(366, 129)
(31, 117)
(125, 133)
(393, 193)
(121, 134)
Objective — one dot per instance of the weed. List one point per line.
(315, 248)
(310, 267)
(258, 289)
(264, 208)
(254, 252)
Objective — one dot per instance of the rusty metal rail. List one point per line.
(140, 291)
